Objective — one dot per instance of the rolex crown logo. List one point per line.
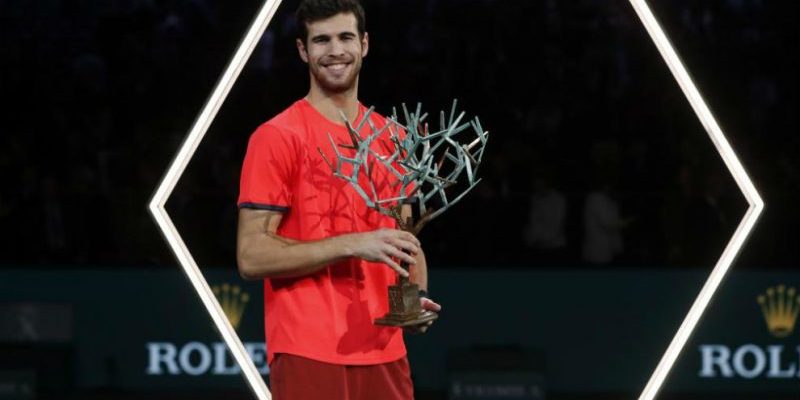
(780, 307)
(233, 301)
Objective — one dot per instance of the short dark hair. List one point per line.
(311, 11)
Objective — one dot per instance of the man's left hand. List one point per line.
(428, 305)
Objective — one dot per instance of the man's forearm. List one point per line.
(277, 257)
(262, 253)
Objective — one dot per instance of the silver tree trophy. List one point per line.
(426, 168)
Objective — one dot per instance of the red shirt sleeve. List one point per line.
(268, 170)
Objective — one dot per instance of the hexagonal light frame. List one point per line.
(226, 82)
(174, 173)
(754, 201)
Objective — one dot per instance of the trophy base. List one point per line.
(405, 308)
(401, 320)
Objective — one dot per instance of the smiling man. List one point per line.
(325, 257)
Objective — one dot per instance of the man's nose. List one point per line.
(337, 47)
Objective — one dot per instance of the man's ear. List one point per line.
(365, 45)
(301, 48)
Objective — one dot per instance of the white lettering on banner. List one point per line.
(748, 361)
(715, 355)
(185, 358)
(159, 353)
(258, 353)
(739, 361)
(197, 358)
(775, 370)
(220, 357)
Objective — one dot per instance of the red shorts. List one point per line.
(298, 378)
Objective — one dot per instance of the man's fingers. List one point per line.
(400, 270)
(399, 254)
(406, 245)
(409, 241)
(411, 238)
(430, 305)
(388, 245)
(421, 328)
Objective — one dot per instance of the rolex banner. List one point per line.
(135, 329)
(562, 331)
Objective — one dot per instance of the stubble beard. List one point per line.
(337, 87)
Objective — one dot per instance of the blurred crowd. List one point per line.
(595, 156)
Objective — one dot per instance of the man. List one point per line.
(325, 257)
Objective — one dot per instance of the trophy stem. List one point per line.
(403, 280)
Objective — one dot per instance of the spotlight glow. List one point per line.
(174, 173)
(756, 205)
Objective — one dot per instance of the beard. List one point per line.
(331, 83)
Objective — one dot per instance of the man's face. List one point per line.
(333, 52)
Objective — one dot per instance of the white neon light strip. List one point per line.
(174, 173)
(756, 205)
(232, 72)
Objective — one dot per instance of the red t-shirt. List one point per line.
(326, 316)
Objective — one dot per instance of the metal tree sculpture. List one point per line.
(422, 157)
(426, 166)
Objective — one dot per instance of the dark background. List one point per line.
(98, 96)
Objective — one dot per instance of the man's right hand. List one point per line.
(386, 246)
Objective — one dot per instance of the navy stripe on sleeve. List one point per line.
(258, 206)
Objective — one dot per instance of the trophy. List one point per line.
(426, 168)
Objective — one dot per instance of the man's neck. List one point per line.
(333, 105)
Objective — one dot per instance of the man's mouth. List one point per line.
(336, 66)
